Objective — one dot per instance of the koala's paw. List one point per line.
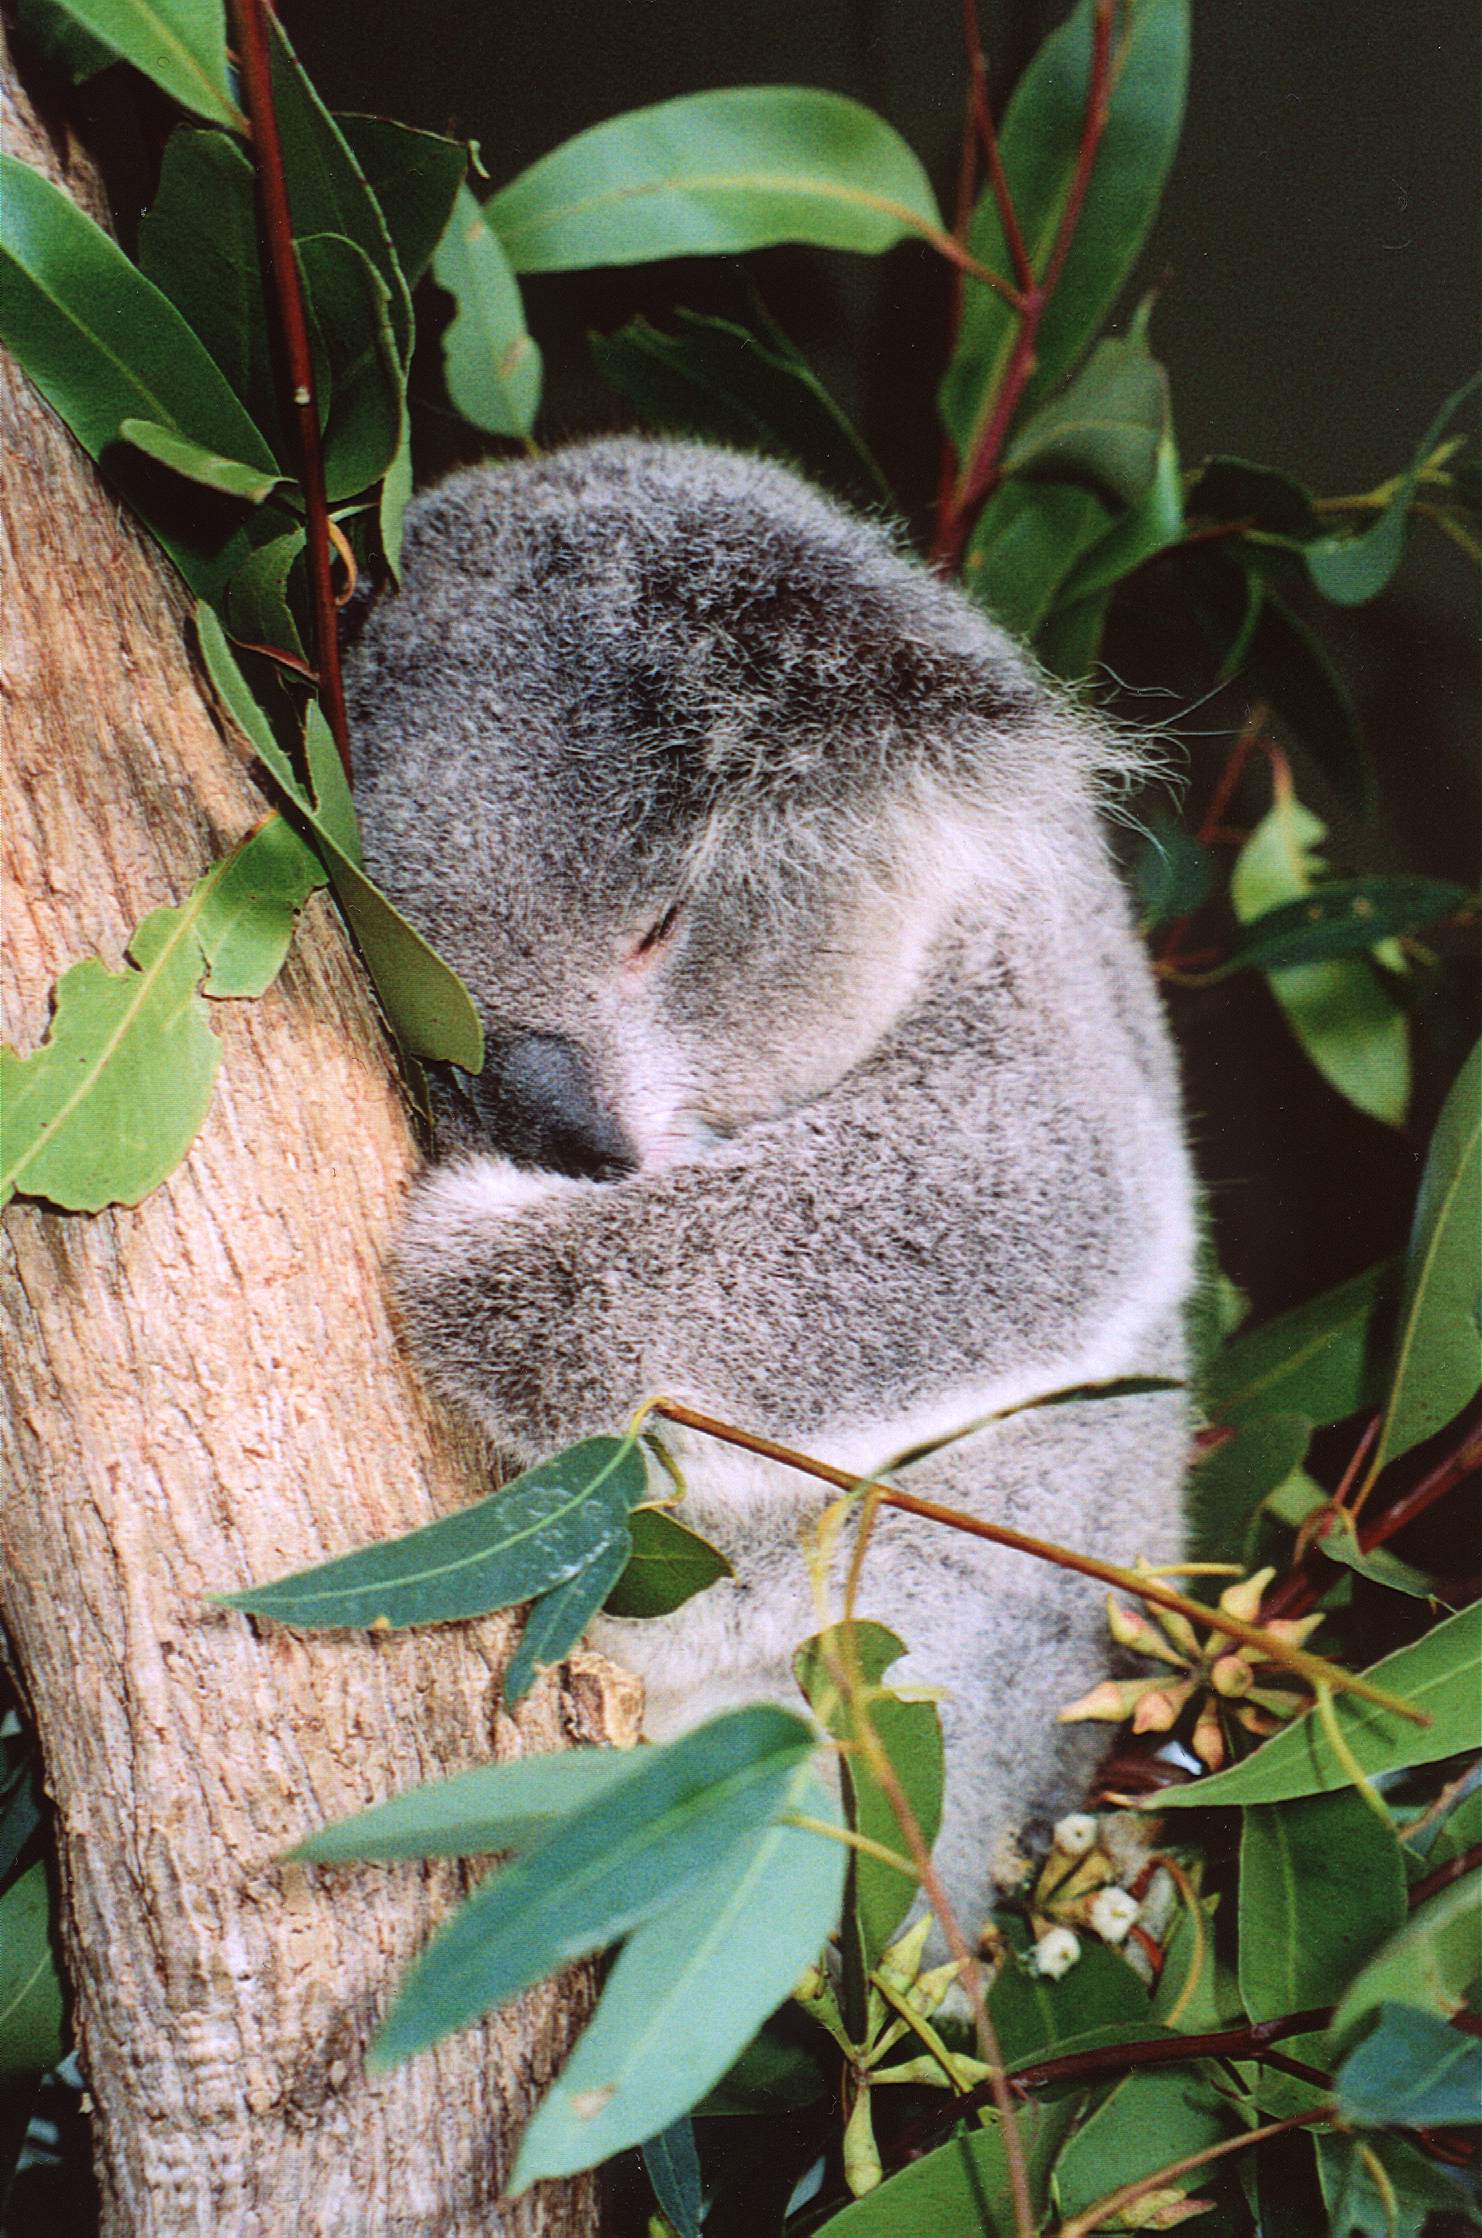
(450, 1205)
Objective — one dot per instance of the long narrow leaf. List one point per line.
(558, 1619)
(681, 1812)
(477, 1813)
(181, 44)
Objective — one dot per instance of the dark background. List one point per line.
(1316, 254)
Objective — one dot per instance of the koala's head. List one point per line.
(682, 767)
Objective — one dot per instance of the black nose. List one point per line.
(537, 1104)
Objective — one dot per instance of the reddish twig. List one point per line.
(980, 114)
(982, 471)
(1304, 1582)
(1454, 1869)
(251, 18)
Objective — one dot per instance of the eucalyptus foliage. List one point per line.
(1327, 1876)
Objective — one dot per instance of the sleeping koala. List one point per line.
(827, 1087)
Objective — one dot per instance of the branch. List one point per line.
(1314, 1668)
(251, 18)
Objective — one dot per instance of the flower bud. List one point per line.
(1055, 1953)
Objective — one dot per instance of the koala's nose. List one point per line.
(536, 1098)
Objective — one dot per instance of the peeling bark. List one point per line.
(204, 1391)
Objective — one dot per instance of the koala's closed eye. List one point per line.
(774, 869)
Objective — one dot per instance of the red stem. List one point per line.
(981, 113)
(982, 473)
(1303, 1584)
(251, 18)
(1454, 1869)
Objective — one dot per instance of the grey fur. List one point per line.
(903, 1109)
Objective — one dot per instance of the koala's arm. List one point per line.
(990, 1207)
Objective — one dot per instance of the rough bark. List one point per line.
(204, 1391)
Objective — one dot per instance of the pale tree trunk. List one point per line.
(205, 1391)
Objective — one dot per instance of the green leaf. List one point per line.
(259, 607)
(490, 363)
(1411, 2187)
(32, 2036)
(1034, 2016)
(429, 1008)
(718, 380)
(1412, 2071)
(1153, 523)
(114, 1097)
(248, 909)
(542, 1528)
(1152, 2117)
(332, 795)
(1342, 917)
(327, 190)
(962, 2189)
(684, 1809)
(62, 45)
(1228, 1484)
(1040, 140)
(1322, 1888)
(1173, 874)
(690, 1990)
(1438, 1674)
(414, 176)
(1028, 538)
(1348, 1025)
(1069, 638)
(228, 476)
(911, 1735)
(1105, 427)
(198, 244)
(1318, 1360)
(104, 346)
(1437, 1361)
(1351, 569)
(476, 1813)
(715, 174)
(109, 1104)
(669, 1564)
(349, 301)
(672, 2162)
(180, 44)
(1231, 489)
(1431, 1962)
(558, 1619)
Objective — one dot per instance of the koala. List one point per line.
(827, 1087)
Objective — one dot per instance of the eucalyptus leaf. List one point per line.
(1397, 2201)
(490, 362)
(682, 1812)
(31, 2000)
(199, 245)
(109, 1104)
(259, 605)
(1174, 873)
(962, 2189)
(1438, 1356)
(1352, 569)
(1233, 490)
(689, 1991)
(1343, 917)
(715, 174)
(1026, 542)
(414, 176)
(429, 1008)
(1148, 2119)
(1148, 527)
(477, 1813)
(350, 303)
(1228, 1484)
(61, 44)
(1438, 1674)
(1034, 2016)
(104, 346)
(1320, 1359)
(911, 1736)
(332, 795)
(1106, 426)
(327, 190)
(1068, 640)
(1322, 1888)
(1411, 2071)
(180, 44)
(672, 2162)
(1040, 139)
(229, 477)
(716, 379)
(540, 1530)
(558, 1618)
(668, 1565)
(1432, 1961)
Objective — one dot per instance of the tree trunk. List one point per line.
(205, 1391)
